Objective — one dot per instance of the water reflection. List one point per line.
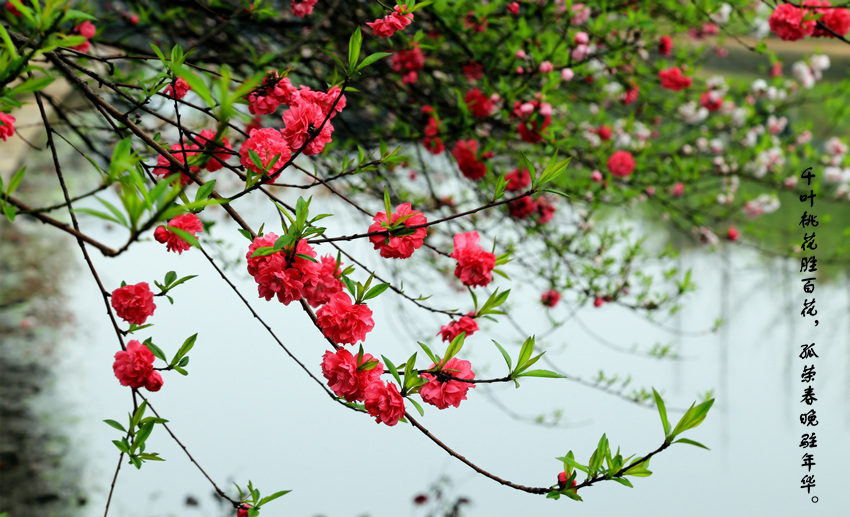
(38, 472)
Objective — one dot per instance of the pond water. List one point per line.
(247, 412)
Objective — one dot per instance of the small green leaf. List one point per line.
(428, 351)
(354, 44)
(540, 373)
(691, 442)
(157, 352)
(205, 190)
(187, 346)
(272, 497)
(624, 481)
(662, 410)
(417, 406)
(116, 425)
(391, 367)
(504, 354)
(16, 180)
(371, 59)
(375, 291)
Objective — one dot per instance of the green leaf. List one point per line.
(375, 291)
(371, 59)
(140, 412)
(624, 481)
(691, 442)
(638, 472)
(121, 446)
(205, 190)
(116, 425)
(186, 236)
(117, 213)
(182, 280)
(662, 410)
(270, 498)
(417, 406)
(428, 351)
(454, 347)
(159, 54)
(504, 354)
(170, 277)
(198, 85)
(335, 58)
(157, 352)
(354, 44)
(569, 460)
(143, 434)
(9, 210)
(692, 417)
(16, 181)
(540, 373)
(391, 367)
(572, 495)
(98, 214)
(187, 346)
(525, 352)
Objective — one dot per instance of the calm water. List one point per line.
(246, 412)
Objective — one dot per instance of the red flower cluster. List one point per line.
(325, 100)
(464, 324)
(267, 143)
(283, 273)
(665, 46)
(672, 79)
(177, 89)
(550, 298)
(836, 19)
(134, 367)
(7, 124)
(630, 96)
(791, 23)
(431, 141)
(473, 71)
(302, 8)
(408, 63)
(621, 164)
(186, 222)
(517, 180)
(711, 100)
(329, 283)
(85, 29)
(449, 393)
(384, 402)
(479, 104)
(274, 92)
(562, 481)
(732, 234)
(347, 377)
(302, 123)
(476, 23)
(181, 153)
(398, 246)
(535, 117)
(474, 265)
(133, 303)
(395, 21)
(222, 151)
(466, 154)
(343, 322)
(526, 206)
